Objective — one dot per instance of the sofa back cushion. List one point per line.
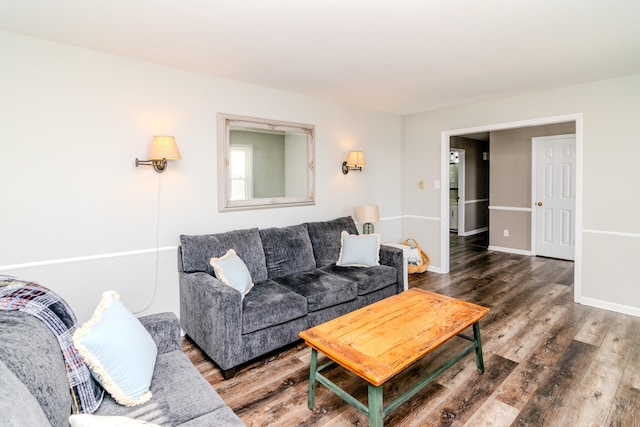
(287, 250)
(325, 238)
(197, 251)
(31, 351)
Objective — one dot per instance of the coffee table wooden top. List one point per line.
(380, 340)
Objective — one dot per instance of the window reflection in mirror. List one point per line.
(241, 171)
(264, 163)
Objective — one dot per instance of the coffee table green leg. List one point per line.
(376, 410)
(478, 342)
(312, 379)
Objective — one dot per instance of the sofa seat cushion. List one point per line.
(197, 251)
(320, 289)
(269, 304)
(287, 250)
(180, 394)
(368, 279)
(325, 238)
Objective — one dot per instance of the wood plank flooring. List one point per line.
(548, 361)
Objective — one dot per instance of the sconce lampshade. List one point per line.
(366, 215)
(355, 161)
(164, 147)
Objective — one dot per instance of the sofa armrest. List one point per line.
(165, 330)
(394, 257)
(211, 314)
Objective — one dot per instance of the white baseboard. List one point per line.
(433, 269)
(509, 250)
(611, 306)
(474, 232)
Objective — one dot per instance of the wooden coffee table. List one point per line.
(380, 340)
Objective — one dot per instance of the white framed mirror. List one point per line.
(264, 163)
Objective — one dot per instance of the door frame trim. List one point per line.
(445, 136)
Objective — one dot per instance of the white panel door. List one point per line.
(554, 196)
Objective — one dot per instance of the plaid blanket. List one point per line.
(32, 298)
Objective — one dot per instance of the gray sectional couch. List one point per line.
(34, 389)
(297, 285)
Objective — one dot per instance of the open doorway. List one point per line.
(500, 211)
(456, 190)
(469, 189)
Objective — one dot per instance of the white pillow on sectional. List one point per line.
(232, 271)
(119, 351)
(359, 250)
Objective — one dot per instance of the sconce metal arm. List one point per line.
(346, 169)
(159, 165)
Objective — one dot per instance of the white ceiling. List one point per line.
(400, 56)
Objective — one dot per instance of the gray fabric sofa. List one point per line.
(297, 285)
(34, 389)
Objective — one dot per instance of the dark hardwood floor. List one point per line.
(548, 361)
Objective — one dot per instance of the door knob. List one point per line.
(539, 203)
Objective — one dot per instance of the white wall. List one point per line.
(610, 231)
(79, 217)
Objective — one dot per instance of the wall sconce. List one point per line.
(163, 148)
(366, 215)
(355, 161)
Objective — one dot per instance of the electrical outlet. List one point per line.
(421, 185)
(436, 184)
(505, 233)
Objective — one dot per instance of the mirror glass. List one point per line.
(264, 163)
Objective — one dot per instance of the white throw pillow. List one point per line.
(232, 271)
(119, 351)
(359, 250)
(89, 420)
